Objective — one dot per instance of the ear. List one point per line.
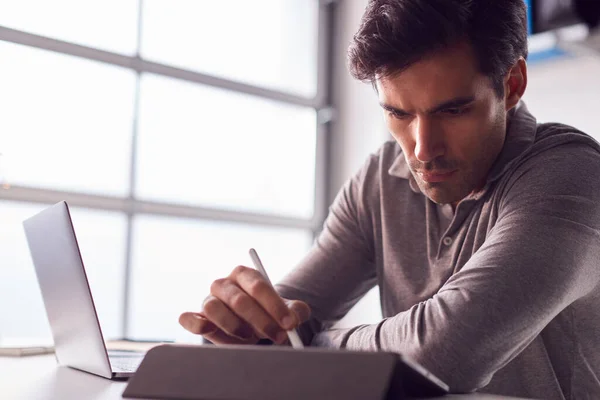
(515, 84)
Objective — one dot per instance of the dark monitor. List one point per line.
(548, 15)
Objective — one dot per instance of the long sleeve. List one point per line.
(339, 269)
(541, 256)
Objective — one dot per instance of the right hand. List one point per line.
(243, 308)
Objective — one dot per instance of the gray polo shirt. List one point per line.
(500, 296)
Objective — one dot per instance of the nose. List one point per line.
(429, 143)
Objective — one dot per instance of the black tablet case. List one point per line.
(272, 372)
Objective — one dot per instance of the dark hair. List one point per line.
(397, 33)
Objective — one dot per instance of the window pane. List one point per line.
(269, 43)
(75, 21)
(205, 146)
(101, 237)
(176, 260)
(70, 121)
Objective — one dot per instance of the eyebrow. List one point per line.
(454, 103)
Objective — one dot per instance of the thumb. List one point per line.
(300, 308)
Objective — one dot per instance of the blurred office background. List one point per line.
(184, 132)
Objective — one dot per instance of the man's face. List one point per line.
(448, 120)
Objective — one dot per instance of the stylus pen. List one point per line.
(292, 334)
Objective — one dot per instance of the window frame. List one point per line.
(130, 205)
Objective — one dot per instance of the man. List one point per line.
(480, 226)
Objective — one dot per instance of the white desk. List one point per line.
(40, 378)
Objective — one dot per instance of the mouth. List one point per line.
(436, 176)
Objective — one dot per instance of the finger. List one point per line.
(220, 337)
(253, 283)
(197, 323)
(219, 314)
(300, 308)
(247, 309)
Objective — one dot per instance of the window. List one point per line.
(166, 249)
(70, 122)
(78, 22)
(224, 150)
(279, 52)
(101, 238)
(178, 144)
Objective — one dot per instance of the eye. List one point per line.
(455, 110)
(397, 115)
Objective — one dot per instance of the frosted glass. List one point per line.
(101, 237)
(75, 21)
(270, 43)
(70, 121)
(176, 260)
(209, 147)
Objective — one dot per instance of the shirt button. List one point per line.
(447, 241)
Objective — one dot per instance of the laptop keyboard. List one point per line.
(125, 364)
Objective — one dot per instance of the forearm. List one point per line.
(361, 337)
(483, 317)
(462, 353)
(331, 283)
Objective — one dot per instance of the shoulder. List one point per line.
(557, 150)
(561, 166)
(562, 150)
(549, 135)
(385, 156)
(365, 187)
(377, 164)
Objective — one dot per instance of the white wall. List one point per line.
(567, 90)
(358, 130)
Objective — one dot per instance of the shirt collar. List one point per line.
(520, 135)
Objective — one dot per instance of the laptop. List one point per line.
(78, 339)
